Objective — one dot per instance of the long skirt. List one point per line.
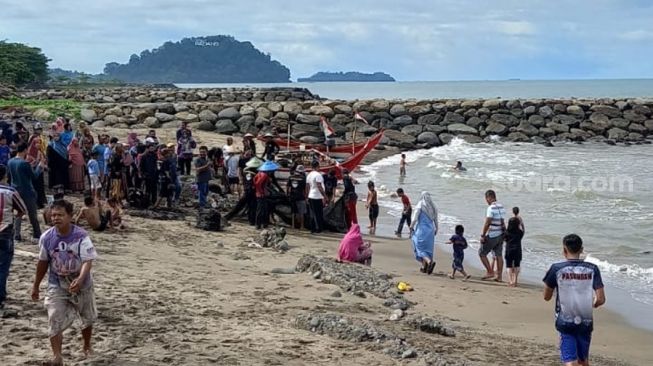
(423, 237)
(76, 178)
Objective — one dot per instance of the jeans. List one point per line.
(30, 204)
(203, 192)
(177, 189)
(6, 255)
(405, 217)
(262, 213)
(317, 218)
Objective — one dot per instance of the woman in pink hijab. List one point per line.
(76, 166)
(353, 249)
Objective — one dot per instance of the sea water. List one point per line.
(602, 193)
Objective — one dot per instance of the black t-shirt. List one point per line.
(513, 240)
(330, 183)
(297, 184)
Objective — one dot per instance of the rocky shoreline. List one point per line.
(409, 124)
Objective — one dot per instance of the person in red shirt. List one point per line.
(261, 183)
(406, 213)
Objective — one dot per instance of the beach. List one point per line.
(168, 293)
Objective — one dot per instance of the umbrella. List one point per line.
(254, 163)
(268, 166)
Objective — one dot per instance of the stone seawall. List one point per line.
(408, 124)
(171, 95)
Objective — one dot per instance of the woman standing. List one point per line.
(423, 228)
(77, 165)
(36, 152)
(57, 155)
(116, 173)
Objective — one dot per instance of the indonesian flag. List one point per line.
(361, 118)
(328, 131)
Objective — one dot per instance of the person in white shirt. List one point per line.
(316, 197)
(492, 236)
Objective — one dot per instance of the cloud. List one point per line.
(411, 40)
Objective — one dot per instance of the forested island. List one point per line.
(347, 76)
(214, 59)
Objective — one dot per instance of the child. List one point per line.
(94, 175)
(116, 214)
(97, 218)
(579, 289)
(402, 165)
(372, 205)
(459, 245)
(513, 237)
(406, 212)
(515, 212)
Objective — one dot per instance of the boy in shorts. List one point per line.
(94, 175)
(579, 289)
(372, 205)
(67, 255)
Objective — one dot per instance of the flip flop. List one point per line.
(431, 267)
(424, 268)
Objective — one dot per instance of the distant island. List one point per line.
(213, 59)
(347, 76)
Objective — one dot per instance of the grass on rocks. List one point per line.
(55, 107)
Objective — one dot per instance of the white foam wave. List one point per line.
(634, 271)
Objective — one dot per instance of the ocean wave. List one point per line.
(629, 270)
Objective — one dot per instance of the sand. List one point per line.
(170, 294)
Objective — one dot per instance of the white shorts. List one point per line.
(95, 182)
(63, 308)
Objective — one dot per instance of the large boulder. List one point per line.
(634, 136)
(505, 119)
(536, 120)
(619, 123)
(597, 127)
(412, 130)
(401, 121)
(642, 109)
(207, 115)
(429, 119)
(178, 107)
(576, 110)
(308, 119)
(41, 114)
(396, 138)
(275, 107)
(446, 138)
(545, 111)
(164, 117)
(263, 112)
(461, 129)
(472, 103)
(150, 122)
(470, 139)
(579, 135)
(398, 110)
(493, 103)
(597, 117)
(453, 118)
(494, 128)
(518, 137)
(229, 113)
(420, 109)
(225, 126)
(429, 138)
(617, 134)
(558, 127)
(246, 110)
(636, 127)
(88, 115)
(437, 129)
(343, 109)
(206, 126)
(649, 125)
(380, 106)
(185, 117)
(529, 110)
(527, 129)
(322, 110)
(113, 120)
(566, 119)
(608, 110)
(633, 116)
(546, 132)
(116, 111)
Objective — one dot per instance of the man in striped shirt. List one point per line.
(492, 236)
(9, 201)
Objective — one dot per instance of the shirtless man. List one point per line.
(372, 205)
(97, 218)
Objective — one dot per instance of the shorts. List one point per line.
(458, 257)
(374, 212)
(233, 180)
(95, 182)
(63, 308)
(299, 208)
(494, 245)
(513, 258)
(575, 347)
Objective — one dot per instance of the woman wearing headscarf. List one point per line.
(36, 152)
(353, 249)
(57, 155)
(77, 165)
(423, 228)
(80, 131)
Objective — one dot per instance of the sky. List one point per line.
(409, 39)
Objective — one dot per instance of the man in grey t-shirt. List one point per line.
(492, 236)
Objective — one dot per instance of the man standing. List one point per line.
(316, 197)
(9, 200)
(492, 236)
(233, 176)
(149, 171)
(296, 191)
(67, 254)
(271, 147)
(22, 178)
(406, 212)
(183, 129)
(261, 184)
(202, 175)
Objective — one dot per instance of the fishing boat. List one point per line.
(327, 162)
(339, 150)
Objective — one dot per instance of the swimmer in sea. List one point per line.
(459, 167)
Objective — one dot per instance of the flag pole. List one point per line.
(353, 138)
(288, 135)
